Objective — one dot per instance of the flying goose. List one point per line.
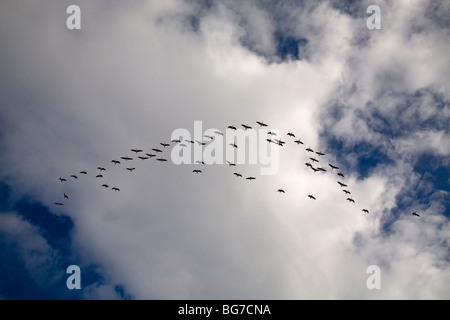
(261, 124)
(342, 184)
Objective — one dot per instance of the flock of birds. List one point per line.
(312, 163)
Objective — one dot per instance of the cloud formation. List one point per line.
(373, 101)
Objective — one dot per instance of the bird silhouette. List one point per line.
(311, 197)
(130, 169)
(115, 161)
(342, 184)
(261, 124)
(416, 214)
(156, 150)
(62, 179)
(136, 150)
(250, 178)
(164, 144)
(66, 196)
(246, 126)
(99, 176)
(237, 174)
(83, 172)
(280, 191)
(126, 158)
(290, 134)
(332, 166)
(101, 168)
(232, 127)
(74, 176)
(59, 203)
(320, 153)
(105, 185)
(365, 210)
(298, 142)
(350, 200)
(309, 150)
(115, 189)
(197, 171)
(200, 143)
(231, 164)
(161, 159)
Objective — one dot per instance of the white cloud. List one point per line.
(38, 257)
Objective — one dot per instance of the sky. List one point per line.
(137, 74)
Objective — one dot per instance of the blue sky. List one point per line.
(376, 102)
